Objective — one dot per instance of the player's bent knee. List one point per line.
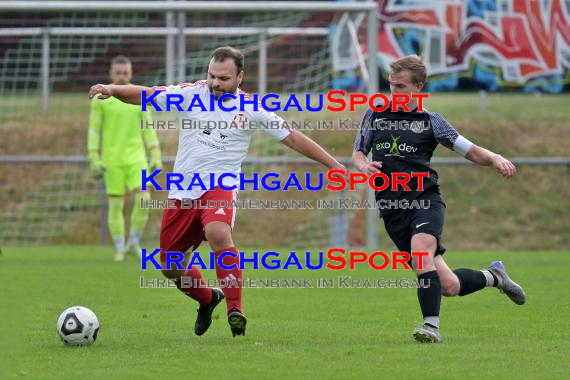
(450, 286)
(169, 273)
(422, 246)
(428, 264)
(423, 242)
(172, 272)
(219, 235)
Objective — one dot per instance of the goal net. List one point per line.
(47, 194)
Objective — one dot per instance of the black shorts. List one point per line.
(402, 224)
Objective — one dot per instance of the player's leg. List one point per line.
(116, 224)
(115, 188)
(462, 281)
(426, 227)
(218, 224)
(139, 215)
(450, 285)
(139, 219)
(399, 226)
(429, 296)
(219, 236)
(181, 231)
(467, 281)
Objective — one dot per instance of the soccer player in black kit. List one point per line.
(403, 142)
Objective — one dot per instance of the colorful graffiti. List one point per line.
(490, 44)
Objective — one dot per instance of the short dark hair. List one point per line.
(121, 60)
(225, 52)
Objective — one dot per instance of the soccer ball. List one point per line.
(78, 326)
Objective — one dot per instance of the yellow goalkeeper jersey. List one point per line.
(118, 124)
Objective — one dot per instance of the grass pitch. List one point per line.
(292, 333)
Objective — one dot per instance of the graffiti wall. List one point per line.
(481, 44)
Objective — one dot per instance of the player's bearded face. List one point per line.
(121, 73)
(401, 83)
(223, 77)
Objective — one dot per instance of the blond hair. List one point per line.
(413, 63)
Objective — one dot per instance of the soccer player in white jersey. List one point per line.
(218, 151)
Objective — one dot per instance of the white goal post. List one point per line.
(37, 77)
(368, 8)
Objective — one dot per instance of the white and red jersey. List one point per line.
(214, 150)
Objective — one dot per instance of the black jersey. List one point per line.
(404, 142)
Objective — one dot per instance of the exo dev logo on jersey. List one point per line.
(395, 149)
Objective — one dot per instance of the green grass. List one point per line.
(292, 333)
(522, 213)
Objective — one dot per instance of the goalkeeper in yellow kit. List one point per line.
(122, 158)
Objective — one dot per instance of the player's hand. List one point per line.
(102, 89)
(155, 164)
(371, 167)
(339, 166)
(97, 169)
(504, 166)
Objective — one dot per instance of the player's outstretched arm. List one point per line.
(484, 157)
(127, 94)
(307, 147)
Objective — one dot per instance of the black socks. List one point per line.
(430, 297)
(471, 280)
